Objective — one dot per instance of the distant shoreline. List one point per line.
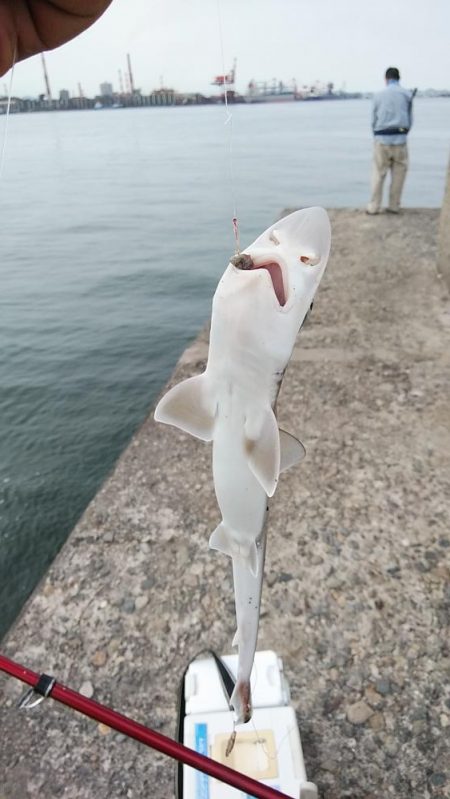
(171, 98)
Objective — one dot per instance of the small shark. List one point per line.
(259, 306)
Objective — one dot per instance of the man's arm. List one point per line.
(410, 108)
(31, 26)
(374, 113)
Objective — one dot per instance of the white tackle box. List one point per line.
(267, 748)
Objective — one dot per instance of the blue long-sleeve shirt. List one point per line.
(392, 108)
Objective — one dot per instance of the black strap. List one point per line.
(226, 677)
(390, 131)
(44, 685)
(228, 683)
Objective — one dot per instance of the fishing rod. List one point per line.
(43, 686)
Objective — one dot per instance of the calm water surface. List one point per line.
(115, 226)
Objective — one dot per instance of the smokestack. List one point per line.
(47, 82)
(130, 74)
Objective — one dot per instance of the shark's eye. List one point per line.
(310, 260)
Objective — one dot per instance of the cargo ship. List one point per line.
(274, 91)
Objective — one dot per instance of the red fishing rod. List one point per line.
(44, 686)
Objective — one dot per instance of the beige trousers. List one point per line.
(393, 157)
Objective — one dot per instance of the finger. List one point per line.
(8, 39)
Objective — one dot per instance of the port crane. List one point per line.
(47, 82)
(226, 80)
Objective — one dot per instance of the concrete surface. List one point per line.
(443, 259)
(356, 597)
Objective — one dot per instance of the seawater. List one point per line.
(115, 226)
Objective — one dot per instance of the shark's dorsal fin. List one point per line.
(263, 451)
(292, 450)
(222, 539)
(188, 406)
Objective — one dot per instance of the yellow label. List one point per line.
(253, 753)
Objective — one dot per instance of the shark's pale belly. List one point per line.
(242, 500)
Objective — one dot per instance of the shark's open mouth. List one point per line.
(276, 275)
(245, 261)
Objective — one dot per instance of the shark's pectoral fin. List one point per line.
(189, 407)
(264, 452)
(292, 450)
(223, 540)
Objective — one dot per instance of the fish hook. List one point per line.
(231, 742)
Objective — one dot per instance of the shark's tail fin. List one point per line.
(224, 541)
(241, 701)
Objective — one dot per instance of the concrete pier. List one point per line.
(356, 597)
(443, 260)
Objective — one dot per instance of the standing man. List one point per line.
(391, 121)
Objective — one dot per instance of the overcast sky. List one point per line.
(348, 42)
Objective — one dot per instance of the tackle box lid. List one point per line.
(204, 692)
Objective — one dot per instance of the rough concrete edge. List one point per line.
(196, 350)
(443, 257)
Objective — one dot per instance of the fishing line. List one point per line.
(229, 121)
(262, 741)
(8, 109)
(259, 738)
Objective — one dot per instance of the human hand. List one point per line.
(31, 26)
